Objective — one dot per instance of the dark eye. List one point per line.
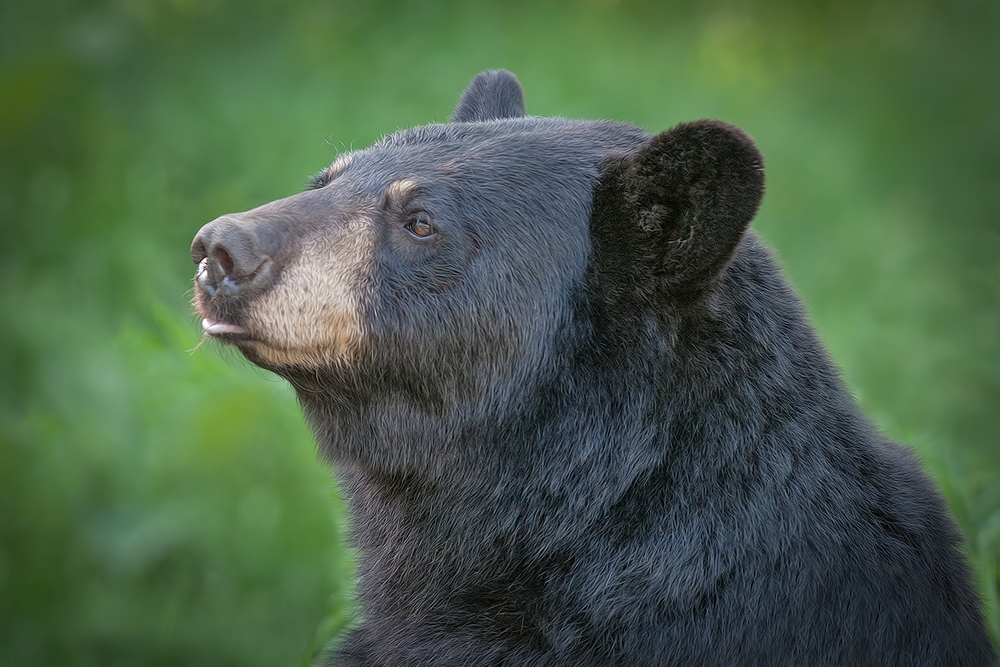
(420, 227)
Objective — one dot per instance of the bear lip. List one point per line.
(217, 328)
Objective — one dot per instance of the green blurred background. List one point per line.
(161, 504)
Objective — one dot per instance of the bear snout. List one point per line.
(282, 283)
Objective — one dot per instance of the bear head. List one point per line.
(448, 272)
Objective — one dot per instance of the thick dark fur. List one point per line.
(492, 95)
(593, 426)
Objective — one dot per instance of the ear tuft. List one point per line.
(692, 192)
(492, 95)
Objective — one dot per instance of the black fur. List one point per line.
(591, 425)
(492, 95)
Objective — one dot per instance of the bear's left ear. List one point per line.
(668, 220)
(492, 95)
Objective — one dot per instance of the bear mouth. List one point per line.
(218, 328)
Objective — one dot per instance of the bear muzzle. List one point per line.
(233, 267)
(284, 282)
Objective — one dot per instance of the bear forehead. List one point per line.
(499, 146)
(555, 130)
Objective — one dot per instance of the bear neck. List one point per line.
(695, 400)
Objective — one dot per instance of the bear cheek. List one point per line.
(313, 315)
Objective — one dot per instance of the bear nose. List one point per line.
(229, 258)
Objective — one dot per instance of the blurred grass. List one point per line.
(163, 507)
(160, 506)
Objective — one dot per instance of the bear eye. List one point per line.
(420, 227)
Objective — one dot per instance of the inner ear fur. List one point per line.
(672, 216)
(492, 95)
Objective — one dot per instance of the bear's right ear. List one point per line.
(492, 95)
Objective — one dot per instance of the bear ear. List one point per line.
(492, 95)
(676, 210)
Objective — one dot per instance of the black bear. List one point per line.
(578, 414)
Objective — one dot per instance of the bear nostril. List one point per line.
(224, 261)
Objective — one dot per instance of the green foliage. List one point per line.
(165, 506)
(162, 508)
